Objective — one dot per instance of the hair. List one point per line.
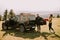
(37, 14)
(51, 15)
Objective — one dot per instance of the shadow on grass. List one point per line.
(45, 35)
(7, 32)
(30, 35)
(55, 35)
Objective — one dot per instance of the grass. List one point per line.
(33, 35)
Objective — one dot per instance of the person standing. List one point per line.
(38, 18)
(50, 24)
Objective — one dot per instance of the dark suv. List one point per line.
(21, 26)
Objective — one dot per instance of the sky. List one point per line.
(29, 5)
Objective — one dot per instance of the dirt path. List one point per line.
(44, 35)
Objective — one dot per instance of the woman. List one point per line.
(50, 23)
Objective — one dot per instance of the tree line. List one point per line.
(7, 15)
(11, 14)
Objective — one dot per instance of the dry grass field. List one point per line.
(44, 35)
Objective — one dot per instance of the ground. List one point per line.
(44, 35)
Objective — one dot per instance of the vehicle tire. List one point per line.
(4, 27)
(21, 28)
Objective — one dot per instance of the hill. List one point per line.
(47, 15)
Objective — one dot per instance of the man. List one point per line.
(50, 23)
(38, 18)
(12, 17)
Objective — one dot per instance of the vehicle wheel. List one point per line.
(4, 27)
(21, 28)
